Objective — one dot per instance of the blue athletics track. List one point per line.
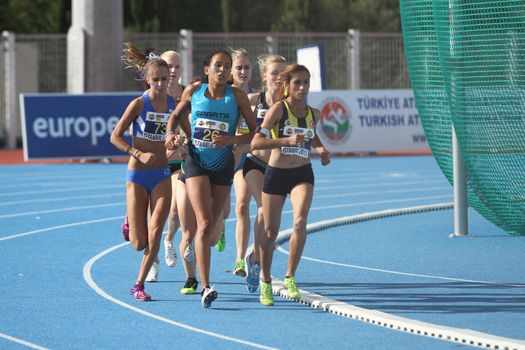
(379, 270)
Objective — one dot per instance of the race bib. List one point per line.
(155, 126)
(303, 150)
(260, 114)
(206, 130)
(295, 151)
(292, 130)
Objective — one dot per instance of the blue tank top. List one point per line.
(210, 118)
(151, 125)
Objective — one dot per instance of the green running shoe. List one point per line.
(221, 243)
(291, 288)
(190, 287)
(240, 268)
(266, 296)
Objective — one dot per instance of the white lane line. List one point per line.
(64, 183)
(377, 184)
(378, 318)
(339, 173)
(18, 235)
(227, 220)
(22, 342)
(80, 172)
(387, 201)
(121, 186)
(393, 272)
(383, 319)
(89, 280)
(60, 210)
(352, 178)
(73, 189)
(59, 199)
(41, 212)
(368, 193)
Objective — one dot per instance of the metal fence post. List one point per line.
(460, 189)
(270, 45)
(10, 98)
(76, 50)
(354, 69)
(186, 37)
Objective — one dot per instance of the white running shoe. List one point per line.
(252, 278)
(170, 256)
(189, 252)
(208, 296)
(153, 274)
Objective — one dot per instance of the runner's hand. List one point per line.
(325, 156)
(296, 139)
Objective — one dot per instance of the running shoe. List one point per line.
(189, 252)
(125, 228)
(221, 243)
(240, 268)
(138, 292)
(208, 296)
(252, 278)
(266, 296)
(170, 256)
(190, 287)
(291, 288)
(153, 274)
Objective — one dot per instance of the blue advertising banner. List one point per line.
(58, 126)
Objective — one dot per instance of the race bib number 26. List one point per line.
(207, 130)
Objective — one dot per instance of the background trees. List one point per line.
(35, 16)
(54, 16)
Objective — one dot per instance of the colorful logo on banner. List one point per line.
(335, 120)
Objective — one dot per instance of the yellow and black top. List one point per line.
(290, 125)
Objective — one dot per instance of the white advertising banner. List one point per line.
(354, 121)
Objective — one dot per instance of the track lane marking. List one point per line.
(93, 285)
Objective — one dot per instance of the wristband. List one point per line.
(170, 132)
(136, 153)
(264, 131)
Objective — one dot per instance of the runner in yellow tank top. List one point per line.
(292, 123)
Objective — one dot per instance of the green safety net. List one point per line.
(467, 66)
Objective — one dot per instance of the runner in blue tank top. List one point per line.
(209, 164)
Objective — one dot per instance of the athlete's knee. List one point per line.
(299, 224)
(241, 209)
(138, 244)
(204, 225)
(271, 232)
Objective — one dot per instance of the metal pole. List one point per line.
(270, 45)
(10, 88)
(187, 55)
(76, 50)
(460, 189)
(354, 72)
